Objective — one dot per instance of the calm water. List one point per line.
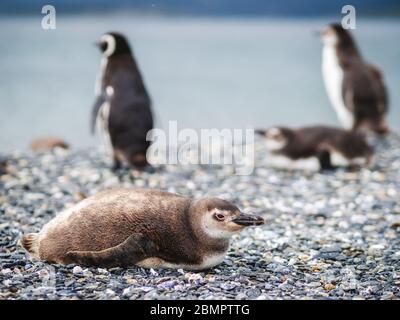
(204, 73)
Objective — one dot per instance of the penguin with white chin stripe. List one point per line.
(122, 110)
(355, 88)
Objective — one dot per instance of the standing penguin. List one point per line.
(122, 111)
(355, 88)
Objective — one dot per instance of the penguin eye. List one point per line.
(103, 46)
(219, 216)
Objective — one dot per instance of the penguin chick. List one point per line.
(148, 228)
(355, 88)
(316, 148)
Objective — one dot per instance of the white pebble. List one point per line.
(396, 255)
(376, 250)
(77, 269)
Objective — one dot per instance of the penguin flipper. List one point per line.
(135, 248)
(100, 99)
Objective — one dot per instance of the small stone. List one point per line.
(7, 283)
(110, 292)
(329, 249)
(77, 270)
(241, 296)
(153, 272)
(376, 250)
(348, 286)
(304, 257)
(127, 292)
(6, 271)
(181, 271)
(396, 255)
(43, 273)
(329, 286)
(318, 267)
(194, 278)
(131, 281)
(314, 284)
(87, 273)
(102, 271)
(253, 293)
(227, 286)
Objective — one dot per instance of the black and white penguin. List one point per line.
(148, 228)
(355, 88)
(122, 111)
(315, 148)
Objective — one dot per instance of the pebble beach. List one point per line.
(333, 235)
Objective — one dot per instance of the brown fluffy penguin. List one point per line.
(355, 88)
(122, 111)
(316, 148)
(143, 227)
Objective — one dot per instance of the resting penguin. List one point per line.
(144, 227)
(316, 148)
(122, 110)
(355, 88)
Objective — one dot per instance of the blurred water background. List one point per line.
(204, 72)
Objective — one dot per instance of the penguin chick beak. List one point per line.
(248, 220)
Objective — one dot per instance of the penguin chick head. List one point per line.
(219, 219)
(113, 43)
(276, 138)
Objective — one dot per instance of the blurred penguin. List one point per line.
(316, 148)
(3, 165)
(355, 88)
(122, 110)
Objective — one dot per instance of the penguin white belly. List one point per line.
(339, 160)
(333, 78)
(100, 76)
(102, 126)
(208, 262)
(104, 111)
(283, 162)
